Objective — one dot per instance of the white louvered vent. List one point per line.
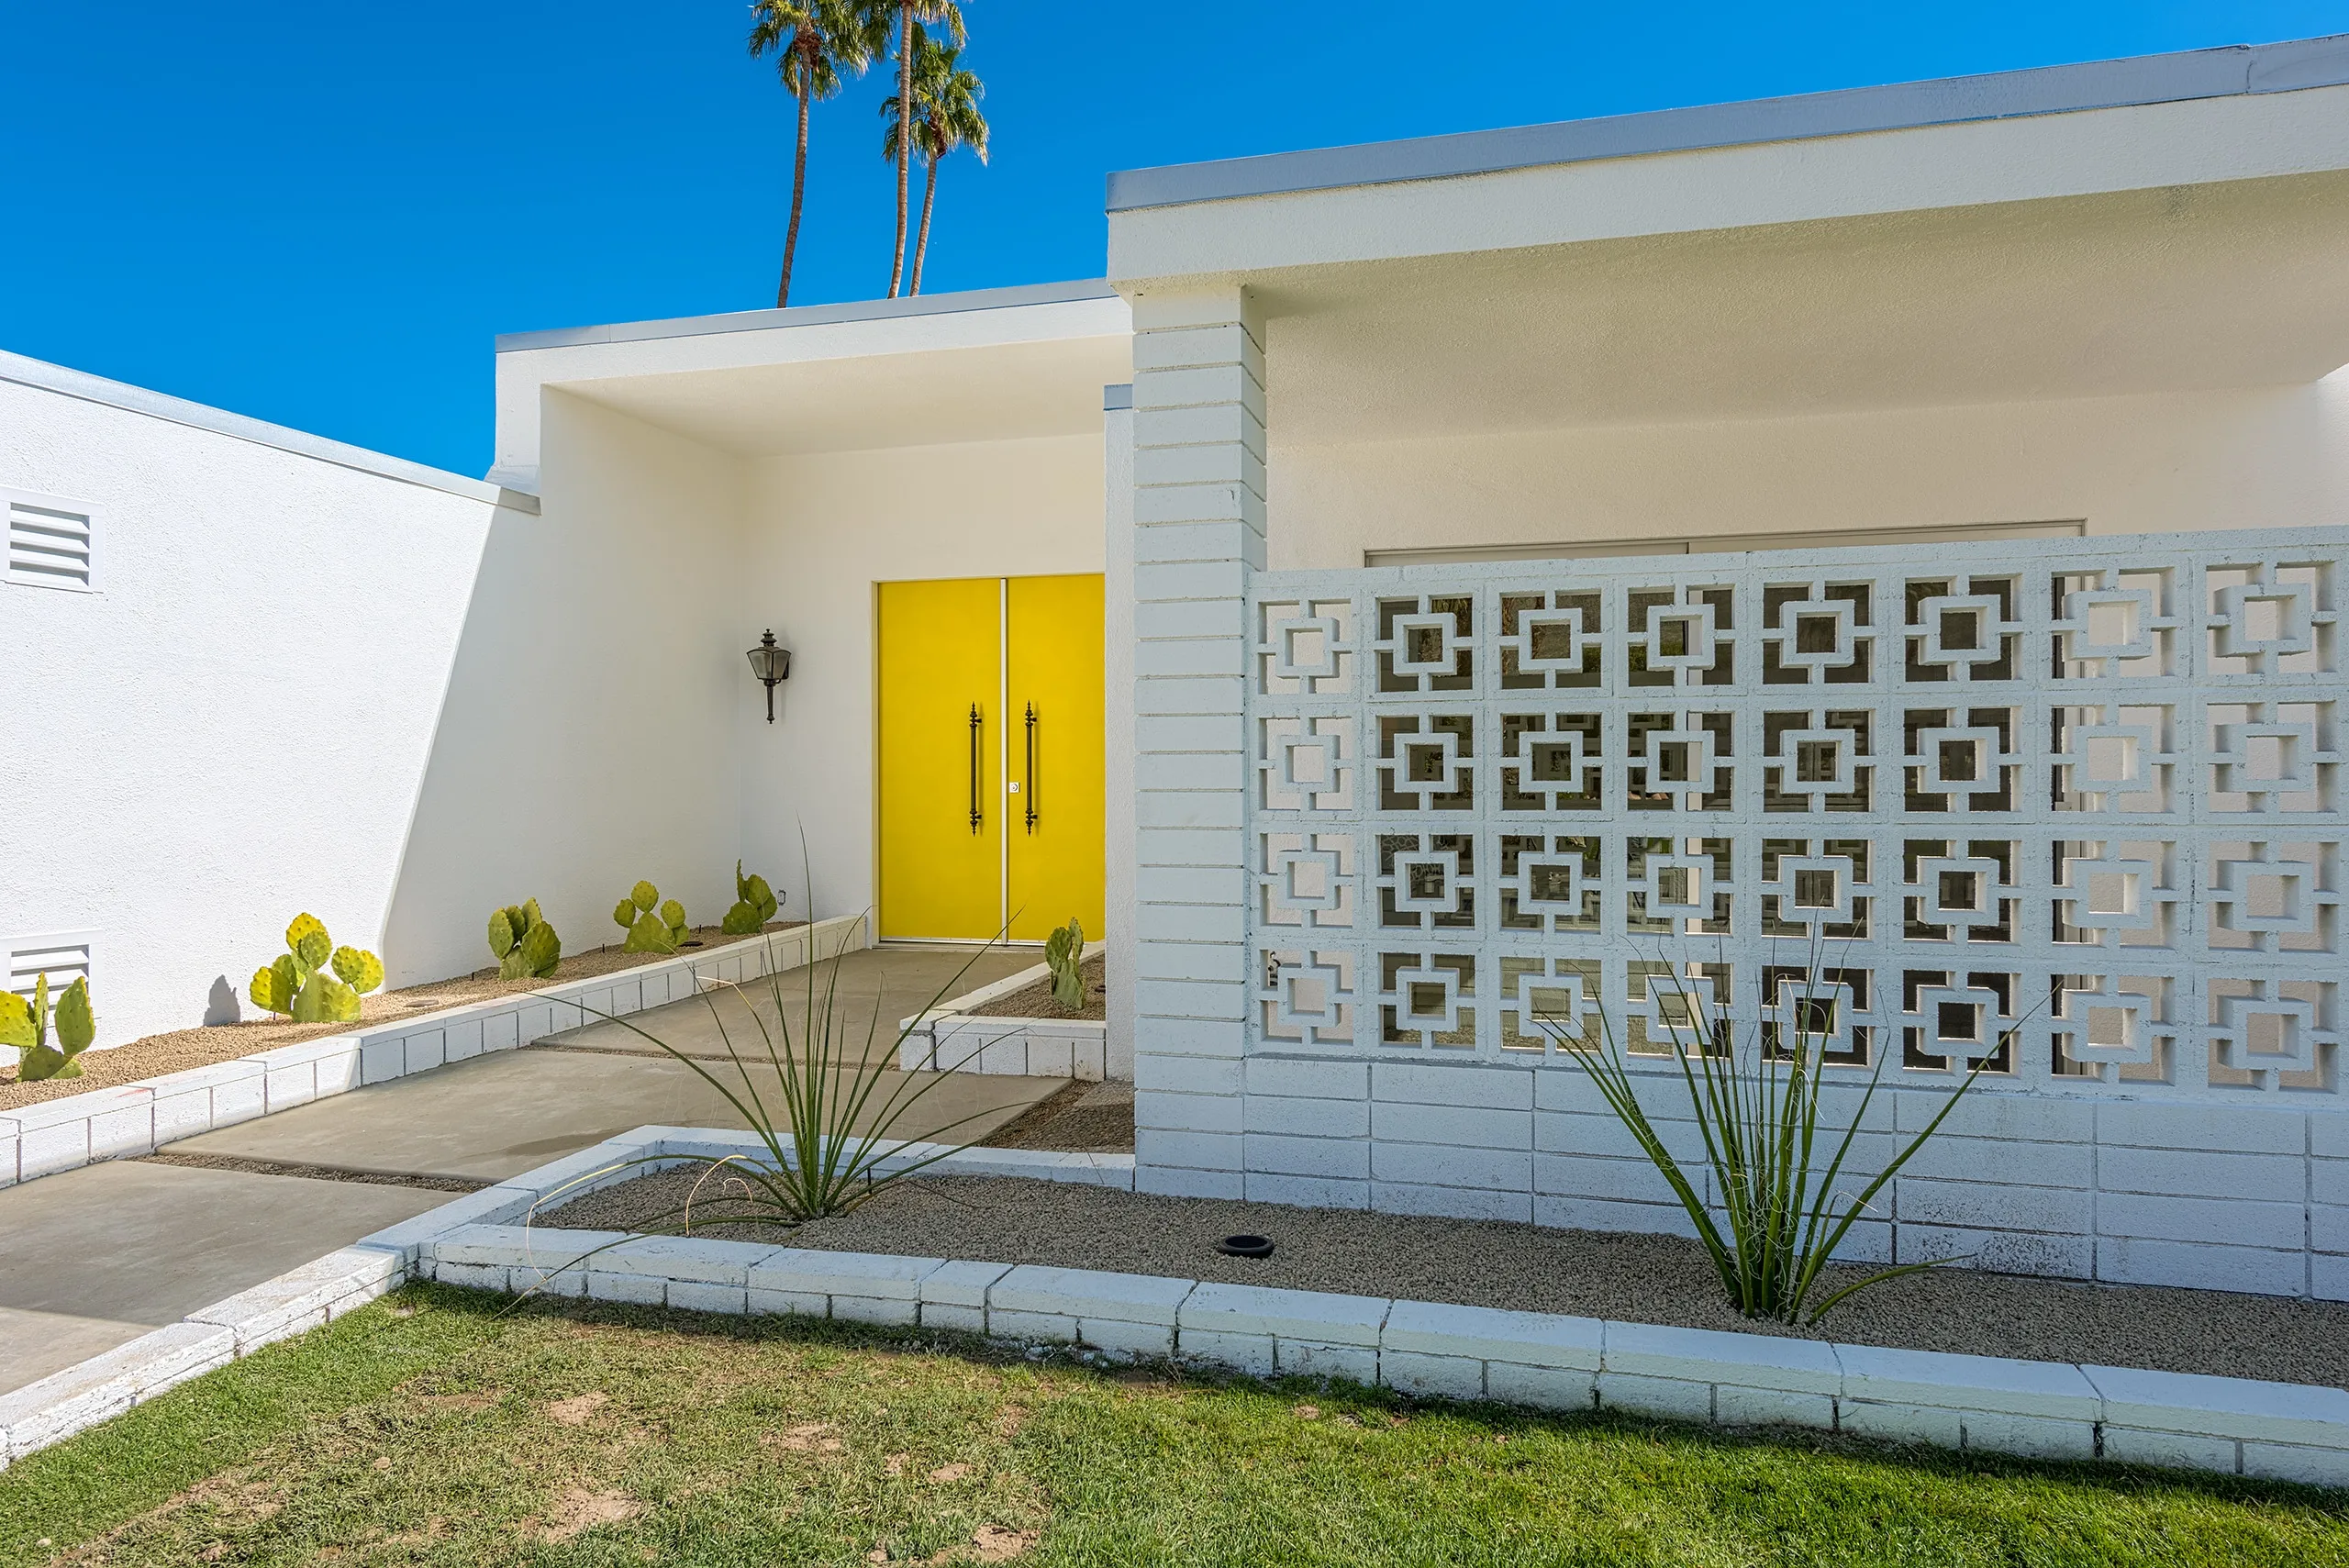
(64, 959)
(49, 541)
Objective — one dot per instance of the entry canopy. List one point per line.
(2174, 223)
(995, 364)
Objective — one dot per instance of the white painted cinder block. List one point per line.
(1541, 1387)
(2179, 1451)
(1487, 1334)
(2002, 1252)
(1333, 1159)
(1307, 1117)
(2224, 1406)
(2127, 1260)
(2033, 1437)
(1315, 1317)
(104, 1386)
(2242, 1129)
(2288, 1462)
(1307, 1078)
(1734, 1405)
(1309, 1192)
(1706, 1355)
(1088, 1294)
(1677, 1399)
(1432, 1377)
(1491, 1088)
(1179, 1182)
(1888, 1376)
(1252, 1354)
(806, 1272)
(305, 1297)
(1603, 1214)
(1450, 1165)
(2226, 1221)
(1512, 1204)
(2281, 1178)
(1161, 1112)
(10, 1142)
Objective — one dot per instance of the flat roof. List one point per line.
(98, 389)
(811, 315)
(2046, 90)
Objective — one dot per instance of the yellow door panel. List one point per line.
(1054, 703)
(940, 652)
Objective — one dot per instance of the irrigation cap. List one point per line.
(1245, 1246)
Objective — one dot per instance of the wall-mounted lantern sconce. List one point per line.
(772, 665)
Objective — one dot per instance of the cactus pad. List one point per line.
(538, 951)
(502, 934)
(754, 905)
(273, 988)
(644, 896)
(307, 940)
(360, 970)
(624, 912)
(1065, 952)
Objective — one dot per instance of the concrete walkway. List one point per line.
(93, 1258)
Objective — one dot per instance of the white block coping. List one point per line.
(948, 1039)
(131, 1119)
(2045, 1409)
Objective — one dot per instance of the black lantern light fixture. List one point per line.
(772, 665)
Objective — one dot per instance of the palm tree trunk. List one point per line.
(798, 181)
(905, 134)
(928, 200)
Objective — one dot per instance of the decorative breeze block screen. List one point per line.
(2089, 787)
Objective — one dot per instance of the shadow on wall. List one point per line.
(222, 1005)
(586, 736)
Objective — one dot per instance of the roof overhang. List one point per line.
(2018, 242)
(987, 365)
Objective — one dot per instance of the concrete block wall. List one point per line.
(2058, 1179)
(2242, 1199)
(1198, 531)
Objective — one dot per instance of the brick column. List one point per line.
(1198, 531)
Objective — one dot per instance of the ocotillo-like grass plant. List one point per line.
(831, 1112)
(1782, 1174)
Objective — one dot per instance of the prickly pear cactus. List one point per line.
(1065, 952)
(297, 985)
(651, 929)
(754, 905)
(526, 946)
(25, 1024)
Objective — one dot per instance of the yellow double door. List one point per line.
(991, 763)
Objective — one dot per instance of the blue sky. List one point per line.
(320, 215)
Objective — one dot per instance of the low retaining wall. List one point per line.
(951, 1039)
(131, 1119)
(2043, 1409)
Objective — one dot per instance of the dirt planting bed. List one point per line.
(1645, 1279)
(181, 1048)
(1035, 1000)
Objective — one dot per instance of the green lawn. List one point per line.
(432, 1428)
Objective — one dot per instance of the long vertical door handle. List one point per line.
(1032, 768)
(978, 812)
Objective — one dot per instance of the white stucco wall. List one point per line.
(821, 530)
(590, 731)
(305, 682)
(2155, 463)
(233, 729)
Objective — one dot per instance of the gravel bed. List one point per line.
(1094, 1119)
(1034, 1000)
(179, 1050)
(1648, 1279)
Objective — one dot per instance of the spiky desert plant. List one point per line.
(524, 946)
(1784, 1202)
(832, 1114)
(754, 905)
(652, 925)
(25, 1024)
(1065, 953)
(297, 985)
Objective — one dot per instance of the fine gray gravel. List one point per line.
(1648, 1279)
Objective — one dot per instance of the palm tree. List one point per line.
(946, 116)
(905, 13)
(813, 41)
